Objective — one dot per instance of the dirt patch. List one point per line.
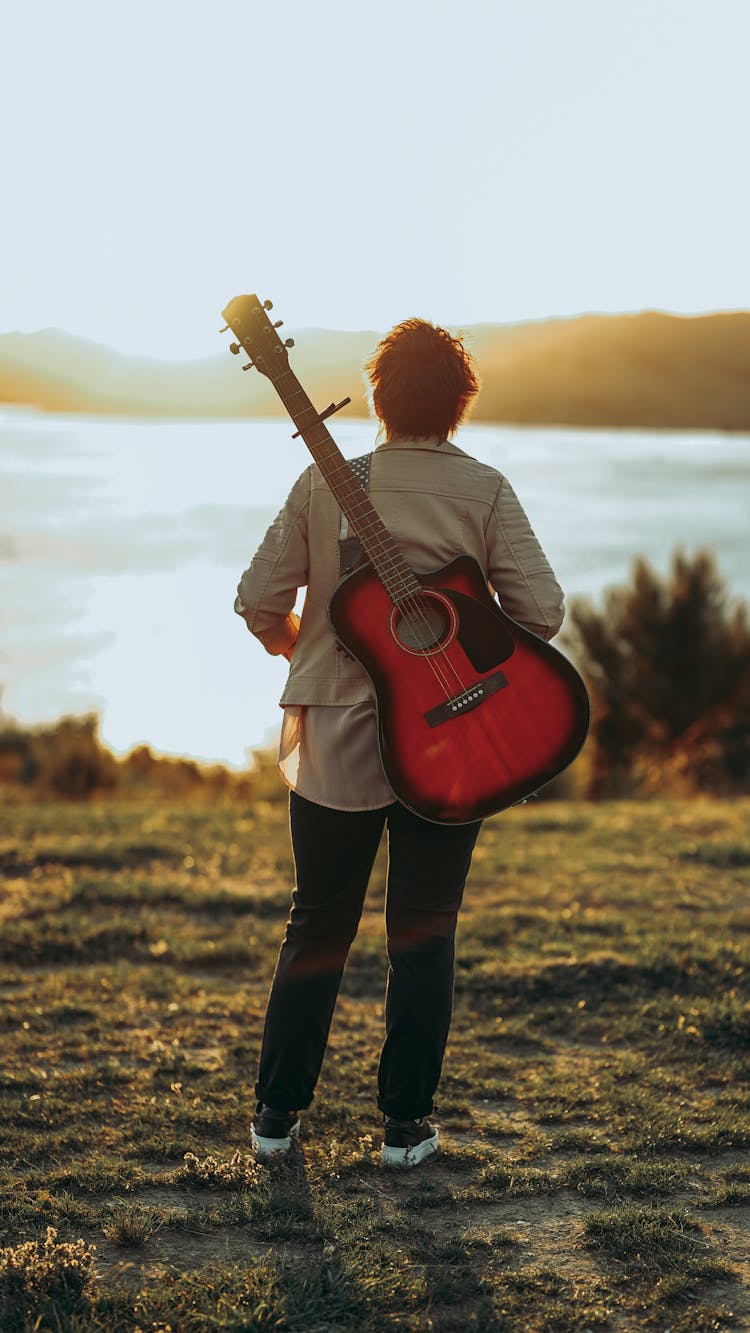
(184, 1250)
(548, 1230)
(728, 1230)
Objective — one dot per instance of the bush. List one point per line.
(16, 754)
(44, 1279)
(69, 758)
(240, 1172)
(667, 663)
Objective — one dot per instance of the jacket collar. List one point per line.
(435, 444)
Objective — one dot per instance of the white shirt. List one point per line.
(329, 754)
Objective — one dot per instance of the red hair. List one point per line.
(422, 379)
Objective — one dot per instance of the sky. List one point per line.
(494, 160)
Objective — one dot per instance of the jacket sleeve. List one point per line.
(267, 591)
(518, 569)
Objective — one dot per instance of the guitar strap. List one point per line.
(350, 549)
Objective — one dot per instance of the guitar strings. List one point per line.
(413, 600)
(438, 660)
(414, 603)
(415, 606)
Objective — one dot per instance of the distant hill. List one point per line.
(649, 369)
(61, 373)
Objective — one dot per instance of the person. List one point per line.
(438, 502)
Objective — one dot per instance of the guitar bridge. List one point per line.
(468, 699)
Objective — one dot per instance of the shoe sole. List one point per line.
(412, 1156)
(264, 1147)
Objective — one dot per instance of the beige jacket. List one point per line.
(438, 502)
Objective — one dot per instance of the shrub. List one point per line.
(667, 662)
(70, 759)
(16, 754)
(48, 1278)
(240, 1172)
(131, 1225)
(67, 759)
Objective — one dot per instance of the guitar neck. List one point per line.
(379, 546)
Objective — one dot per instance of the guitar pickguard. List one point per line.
(481, 632)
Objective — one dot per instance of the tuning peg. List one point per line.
(235, 348)
(268, 305)
(289, 342)
(225, 329)
(278, 323)
(249, 365)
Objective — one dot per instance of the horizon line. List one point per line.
(462, 326)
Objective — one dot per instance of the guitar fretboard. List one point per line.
(379, 546)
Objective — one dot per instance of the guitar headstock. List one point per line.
(247, 317)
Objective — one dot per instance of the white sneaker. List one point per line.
(408, 1142)
(272, 1131)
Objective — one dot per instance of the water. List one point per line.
(122, 540)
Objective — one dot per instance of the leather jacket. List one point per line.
(438, 502)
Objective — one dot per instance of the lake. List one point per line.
(122, 541)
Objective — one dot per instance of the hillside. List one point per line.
(648, 369)
(59, 373)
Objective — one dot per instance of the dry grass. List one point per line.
(594, 1105)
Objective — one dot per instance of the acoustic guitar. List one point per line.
(475, 713)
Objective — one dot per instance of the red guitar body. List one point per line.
(475, 713)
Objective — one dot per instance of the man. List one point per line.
(437, 502)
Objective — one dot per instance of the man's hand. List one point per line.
(293, 622)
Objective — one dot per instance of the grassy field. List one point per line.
(594, 1108)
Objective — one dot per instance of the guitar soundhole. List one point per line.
(425, 624)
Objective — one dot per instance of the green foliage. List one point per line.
(647, 1237)
(131, 1225)
(668, 666)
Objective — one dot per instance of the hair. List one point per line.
(423, 380)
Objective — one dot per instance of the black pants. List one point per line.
(427, 867)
